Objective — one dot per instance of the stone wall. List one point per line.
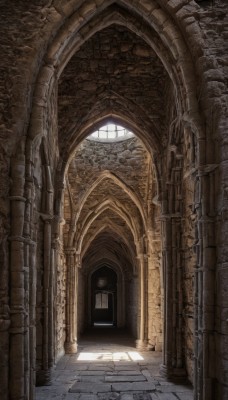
(37, 40)
(214, 22)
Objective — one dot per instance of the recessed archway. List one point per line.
(106, 215)
(103, 297)
(155, 148)
(167, 41)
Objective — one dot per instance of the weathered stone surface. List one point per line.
(137, 386)
(175, 388)
(160, 69)
(93, 388)
(164, 396)
(88, 397)
(127, 378)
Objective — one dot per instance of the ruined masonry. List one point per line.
(129, 228)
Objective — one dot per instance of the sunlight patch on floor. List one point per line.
(115, 356)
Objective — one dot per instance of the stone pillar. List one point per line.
(57, 255)
(173, 363)
(205, 371)
(72, 262)
(51, 311)
(32, 318)
(121, 301)
(31, 273)
(44, 375)
(142, 341)
(17, 284)
(4, 345)
(167, 287)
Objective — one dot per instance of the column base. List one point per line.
(71, 347)
(174, 374)
(141, 345)
(44, 377)
(164, 371)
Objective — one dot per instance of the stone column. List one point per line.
(4, 344)
(121, 301)
(51, 311)
(32, 318)
(17, 284)
(167, 289)
(72, 262)
(44, 375)
(142, 341)
(57, 254)
(173, 363)
(205, 361)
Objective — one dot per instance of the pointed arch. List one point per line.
(122, 111)
(119, 182)
(116, 207)
(165, 39)
(110, 225)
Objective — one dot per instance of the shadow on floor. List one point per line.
(107, 334)
(108, 367)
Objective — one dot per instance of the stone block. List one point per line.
(92, 379)
(166, 396)
(70, 396)
(92, 373)
(126, 396)
(125, 378)
(93, 388)
(129, 387)
(176, 389)
(185, 396)
(88, 397)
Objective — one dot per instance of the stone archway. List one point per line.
(107, 207)
(103, 297)
(203, 171)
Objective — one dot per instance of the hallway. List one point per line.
(108, 366)
(114, 199)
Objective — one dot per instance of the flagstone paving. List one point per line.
(109, 367)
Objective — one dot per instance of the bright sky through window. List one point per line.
(111, 132)
(110, 356)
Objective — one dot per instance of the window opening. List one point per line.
(101, 301)
(111, 132)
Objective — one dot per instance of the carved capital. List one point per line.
(46, 217)
(17, 198)
(70, 250)
(21, 239)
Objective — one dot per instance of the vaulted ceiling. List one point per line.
(108, 200)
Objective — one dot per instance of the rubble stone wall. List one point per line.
(191, 40)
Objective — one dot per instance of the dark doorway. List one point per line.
(104, 297)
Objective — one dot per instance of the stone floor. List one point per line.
(109, 367)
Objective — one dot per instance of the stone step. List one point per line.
(130, 387)
(122, 378)
(93, 388)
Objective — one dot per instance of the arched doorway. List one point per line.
(112, 224)
(103, 297)
(176, 320)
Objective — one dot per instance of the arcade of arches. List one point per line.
(129, 230)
